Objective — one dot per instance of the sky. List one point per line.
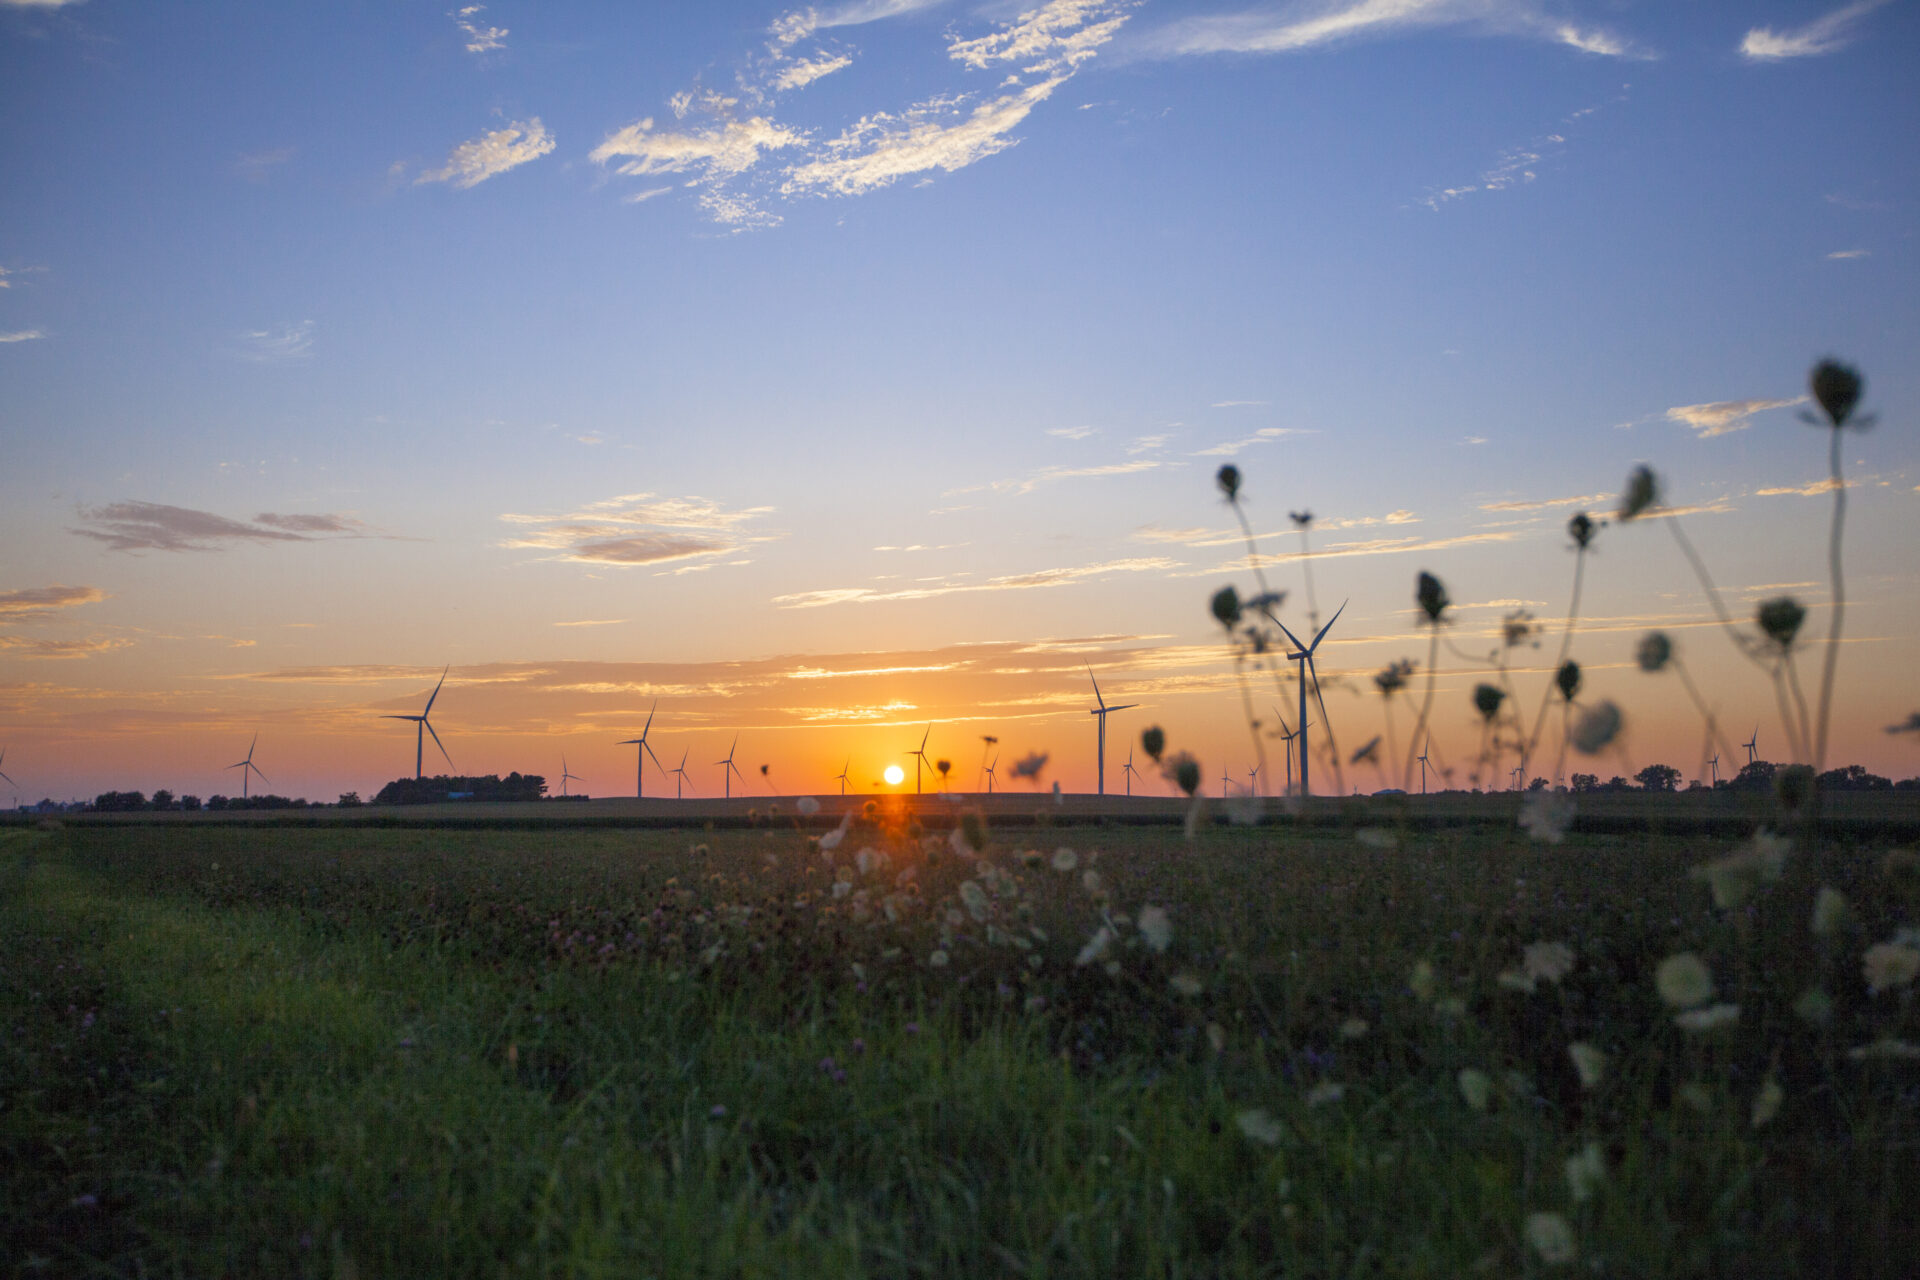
(833, 376)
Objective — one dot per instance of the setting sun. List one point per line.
(895, 775)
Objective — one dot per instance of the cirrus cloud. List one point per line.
(491, 154)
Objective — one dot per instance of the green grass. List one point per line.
(319, 1052)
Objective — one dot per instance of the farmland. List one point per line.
(1360, 1047)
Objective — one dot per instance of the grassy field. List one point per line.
(1086, 1051)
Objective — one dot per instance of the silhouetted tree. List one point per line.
(120, 802)
(1853, 778)
(1757, 776)
(1585, 782)
(1658, 777)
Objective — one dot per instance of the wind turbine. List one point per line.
(1129, 770)
(987, 743)
(726, 774)
(841, 777)
(920, 758)
(640, 756)
(564, 775)
(1423, 766)
(1714, 764)
(1304, 656)
(10, 781)
(680, 773)
(1101, 713)
(1253, 775)
(1226, 784)
(989, 772)
(1749, 744)
(247, 767)
(423, 726)
(1516, 771)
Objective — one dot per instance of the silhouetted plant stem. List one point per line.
(1566, 647)
(1740, 639)
(1333, 745)
(1426, 705)
(1700, 704)
(1306, 568)
(1804, 748)
(1839, 601)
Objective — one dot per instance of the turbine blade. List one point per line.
(436, 691)
(649, 723)
(1330, 621)
(10, 781)
(1289, 635)
(1128, 707)
(1096, 688)
(436, 740)
(656, 759)
(256, 773)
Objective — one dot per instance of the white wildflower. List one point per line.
(1814, 1006)
(1586, 1172)
(1548, 961)
(1546, 815)
(807, 806)
(1096, 946)
(939, 959)
(1829, 912)
(1325, 1092)
(1156, 928)
(1376, 838)
(1258, 1123)
(1186, 984)
(1766, 1103)
(1476, 1087)
(1590, 1062)
(1065, 859)
(1549, 1236)
(1886, 1047)
(1887, 965)
(1354, 1029)
(1420, 981)
(869, 860)
(1711, 1018)
(975, 899)
(1684, 980)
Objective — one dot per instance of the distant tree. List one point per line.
(1757, 776)
(1853, 778)
(120, 802)
(351, 800)
(1538, 784)
(1658, 777)
(1586, 782)
(1616, 783)
(1907, 784)
(162, 801)
(216, 803)
(190, 804)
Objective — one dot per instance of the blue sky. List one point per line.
(342, 342)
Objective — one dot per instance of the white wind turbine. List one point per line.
(565, 776)
(1714, 764)
(1304, 656)
(989, 772)
(841, 777)
(10, 781)
(1752, 745)
(920, 758)
(640, 762)
(247, 766)
(1101, 713)
(1129, 770)
(1253, 777)
(1423, 765)
(680, 773)
(423, 727)
(727, 774)
(1287, 736)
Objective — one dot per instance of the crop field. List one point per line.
(1056, 1050)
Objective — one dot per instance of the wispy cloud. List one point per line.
(1049, 475)
(1266, 435)
(258, 166)
(1012, 582)
(38, 602)
(491, 154)
(638, 529)
(1811, 489)
(1293, 28)
(1233, 537)
(1148, 444)
(1058, 35)
(1826, 34)
(592, 622)
(1842, 255)
(21, 335)
(1238, 404)
(61, 648)
(1071, 433)
(276, 346)
(153, 526)
(826, 673)
(802, 72)
(1547, 504)
(1722, 416)
(480, 39)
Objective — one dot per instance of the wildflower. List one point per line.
(1836, 387)
(1581, 529)
(1217, 1037)
(1257, 1123)
(1590, 1062)
(1183, 771)
(1035, 1004)
(1096, 947)
(1684, 980)
(807, 806)
(1325, 1092)
(1154, 741)
(1228, 478)
(1517, 628)
(1393, 677)
(1780, 619)
(1226, 607)
(1697, 1096)
(1546, 815)
(1711, 1018)
(938, 960)
(868, 860)
(1090, 881)
(1155, 928)
(1548, 961)
(831, 840)
(1376, 837)
(1421, 980)
(1431, 596)
(1643, 490)
(973, 828)
(1814, 1006)
(1370, 751)
(1245, 809)
(1829, 912)
(1597, 726)
(1058, 796)
(1653, 651)
(719, 1111)
(1586, 1172)
(1567, 679)
(1886, 1047)
(1887, 965)
(975, 899)
(1065, 859)
(1354, 1029)
(1301, 519)
(1549, 1236)
(1476, 1087)
(1766, 1103)
(1030, 765)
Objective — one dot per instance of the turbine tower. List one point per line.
(1304, 656)
(640, 760)
(1226, 784)
(726, 774)
(1253, 776)
(564, 775)
(423, 726)
(1101, 713)
(1714, 764)
(1128, 769)
(10, 781)
(1287, 735)
(680, 774)
(1750, 744)
(841, 777)
(989, 772)
(246, 767)
(920, 758)
(1423, 765)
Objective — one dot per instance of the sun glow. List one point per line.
(895, 775)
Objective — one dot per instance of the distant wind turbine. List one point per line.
(1423, 766)
(987, 743)
(1304, 656)
(423, 726)
(1750, 744)
(726, 774)
(1287, 735)
(247, 767)
(1128, 769)
(1226, 784)
(989, 772)
(1101, 713)
(920, 758)
(1714, 765)
(1253, 776)
(564, 775)
(10, 781)
(680, 774)
(643, 750)
(841, 777)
